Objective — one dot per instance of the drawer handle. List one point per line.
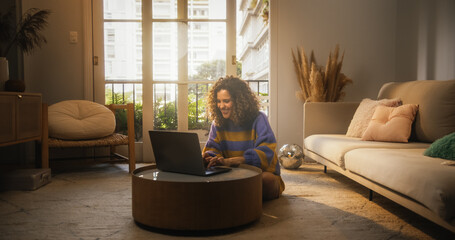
(19, 96)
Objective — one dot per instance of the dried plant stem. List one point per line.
(318, 84)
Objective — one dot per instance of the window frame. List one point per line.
(147, 57)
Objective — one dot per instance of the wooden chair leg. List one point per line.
(112, 150)
(131, 156)
(44, 137)
(130, 127)
(131, 138)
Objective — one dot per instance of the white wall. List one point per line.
(56, 70)
(407, 34)
(436, 39)
(425, 40)
(365, 30)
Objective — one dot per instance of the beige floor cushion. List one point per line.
(80, 119)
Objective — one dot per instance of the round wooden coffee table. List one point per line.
(185, 202)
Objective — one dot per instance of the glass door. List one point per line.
(163, 55)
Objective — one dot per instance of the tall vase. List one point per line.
(4, 73)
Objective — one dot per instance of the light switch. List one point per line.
(73, 37)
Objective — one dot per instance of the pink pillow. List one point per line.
(391, 124)
(364, 112)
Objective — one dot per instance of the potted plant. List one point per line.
(26, 35)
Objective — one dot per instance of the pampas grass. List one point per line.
(319, 84)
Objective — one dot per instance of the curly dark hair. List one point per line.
(245, 103)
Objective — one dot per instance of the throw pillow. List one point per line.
(364, 112)
(391, 124)
(442, 148)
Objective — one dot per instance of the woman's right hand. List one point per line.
(209, 160)
(215, 161)
(206, 156)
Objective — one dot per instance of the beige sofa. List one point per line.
(398, 171)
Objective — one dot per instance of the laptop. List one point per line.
(180, 152)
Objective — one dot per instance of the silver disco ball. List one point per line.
(290, 156)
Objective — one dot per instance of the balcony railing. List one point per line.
(131, 92)
(119, 90)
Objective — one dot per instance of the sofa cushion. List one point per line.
(391, 124)
(436, 100)
(442, 148)
(407, 171)
(80, 119)
(333, 147)
(364, 112)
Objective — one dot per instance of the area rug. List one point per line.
(94, 202)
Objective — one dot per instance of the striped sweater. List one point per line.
(255, 143)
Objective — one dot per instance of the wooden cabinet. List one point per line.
(7, 120)
(21, 119)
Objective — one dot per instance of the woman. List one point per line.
(241, 134)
